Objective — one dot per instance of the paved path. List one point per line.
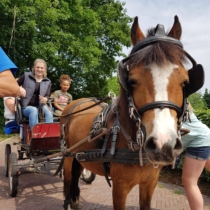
(41, 192)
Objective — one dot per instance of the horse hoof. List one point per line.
(67, 207)
(76, 205)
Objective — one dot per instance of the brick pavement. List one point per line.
(42, 192)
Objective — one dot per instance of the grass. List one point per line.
(4, 136)
(160, 186)
(177, 192)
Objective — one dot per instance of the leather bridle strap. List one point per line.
(160, 105)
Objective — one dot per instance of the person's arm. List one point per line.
(56, 105)
(46, 96)
(8, 85)
(10, 103)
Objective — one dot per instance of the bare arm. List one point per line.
(10, 102)
(56, 105)
(8, 85)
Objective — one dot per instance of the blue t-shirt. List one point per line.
(6, 63)
(199, 135)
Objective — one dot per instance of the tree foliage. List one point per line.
(80, 38)
(206, 98)
(197, 101)
(113, 85)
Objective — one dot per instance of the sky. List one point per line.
(194, 17)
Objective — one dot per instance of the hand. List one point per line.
(22, 92)
(43, 100)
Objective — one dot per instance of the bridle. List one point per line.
(182, 112)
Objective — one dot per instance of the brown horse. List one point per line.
(143, 122)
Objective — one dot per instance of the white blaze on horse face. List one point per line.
(164, 123)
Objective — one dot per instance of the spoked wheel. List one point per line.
(7, 153)
(13, 174)
(88, 176)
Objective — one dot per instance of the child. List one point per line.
(9, 116)
(197, 146)
(62, 97)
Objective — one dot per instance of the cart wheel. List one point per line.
(7, 153)
(13, 174)
(88, 176)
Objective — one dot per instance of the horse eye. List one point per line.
(132, 82)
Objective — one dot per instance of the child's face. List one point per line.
(65, 85)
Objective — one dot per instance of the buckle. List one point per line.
(116, 129)
(78, 154)
(130, 144)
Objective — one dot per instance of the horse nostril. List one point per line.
(178, 144)
(151, 143)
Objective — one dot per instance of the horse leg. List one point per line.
(74, 187)
(146, 192)
(120, 191)
(72, 171)
(67, 166)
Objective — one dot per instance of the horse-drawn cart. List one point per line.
(33, 152)
(140, 130)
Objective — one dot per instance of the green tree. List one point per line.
(113, 85)
(197, 101)
(80, 38)
(206, 97)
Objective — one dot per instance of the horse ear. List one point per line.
(136, 33)
(176, 30)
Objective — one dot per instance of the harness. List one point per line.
(135, 153)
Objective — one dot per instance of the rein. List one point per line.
(81, 110)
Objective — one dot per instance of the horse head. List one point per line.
(157, 83)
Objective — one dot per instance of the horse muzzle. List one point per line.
(163, 154)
